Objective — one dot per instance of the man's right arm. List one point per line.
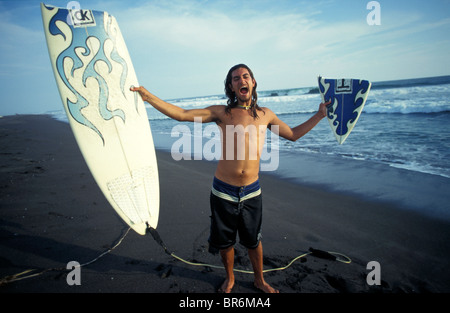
(207, 115)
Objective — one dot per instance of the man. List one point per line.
(236, 204)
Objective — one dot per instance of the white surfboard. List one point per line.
(94, 73)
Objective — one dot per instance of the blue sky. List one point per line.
(184, 48)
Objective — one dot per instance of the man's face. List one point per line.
(242, 85)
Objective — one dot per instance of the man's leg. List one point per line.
(228, 261)
(256, 257)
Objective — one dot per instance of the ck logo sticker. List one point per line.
(81, 18)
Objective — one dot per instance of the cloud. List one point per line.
(21, 45)
(210, 29)
(286, 46)
(184, 48)
(206, 36)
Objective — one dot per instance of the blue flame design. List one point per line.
(81, 39)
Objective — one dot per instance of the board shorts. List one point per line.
(235, 210)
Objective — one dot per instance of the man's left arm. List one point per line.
(299, 131)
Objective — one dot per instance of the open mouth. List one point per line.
(243, 90)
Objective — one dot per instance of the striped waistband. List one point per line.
(235, 193)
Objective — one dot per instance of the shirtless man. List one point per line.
(236, 204)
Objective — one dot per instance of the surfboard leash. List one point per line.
(157, 238)
(32, 272)
(329, 255)
(335, 256)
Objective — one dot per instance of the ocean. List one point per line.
(405, 125)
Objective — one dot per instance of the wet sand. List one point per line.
(52, 212)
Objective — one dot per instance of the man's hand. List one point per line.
(323, 109)
(142, 91)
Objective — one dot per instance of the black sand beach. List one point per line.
(52, 212)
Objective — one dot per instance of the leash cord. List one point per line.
(20, 276)
(314, 252)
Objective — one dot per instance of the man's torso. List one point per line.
(243, 138)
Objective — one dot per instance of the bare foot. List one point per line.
(265, 287)
(227, 286)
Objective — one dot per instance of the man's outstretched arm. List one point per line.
(207, 115)
(299, 131)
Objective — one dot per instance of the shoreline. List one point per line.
(410, 190)
(53, 213)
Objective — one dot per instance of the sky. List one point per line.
(184, 48)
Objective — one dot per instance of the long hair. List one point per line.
(232, 99)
